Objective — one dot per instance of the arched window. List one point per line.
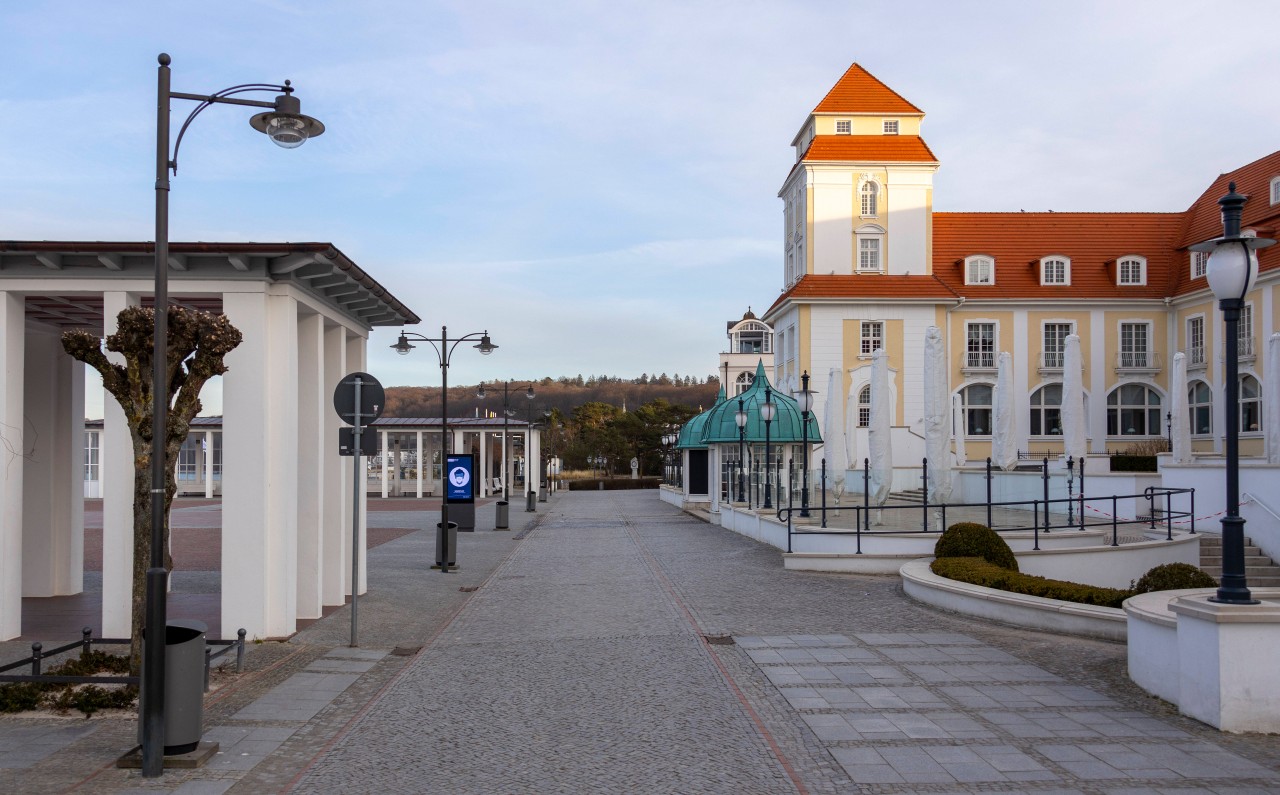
(976, 399)
(1200, 407)
(864, 407)
(1250, 404)
(1046, 411)
(870, 194)
(744, 381)
(1133, 410)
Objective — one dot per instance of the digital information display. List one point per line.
(459, 481)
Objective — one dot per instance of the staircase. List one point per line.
(1259, 570)
(913, 496)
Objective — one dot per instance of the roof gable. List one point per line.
(859, 91)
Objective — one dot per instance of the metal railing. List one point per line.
(1138, 360)
(86, 644)
(1159, 499)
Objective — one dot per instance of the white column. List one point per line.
(1097, 381)
(206, 461)
(12, 345)
(52, 500)
(313, 401)
(399, 466)
(385, 452)
(337, 477)
(356, 361)
(423, 461)
(260, 467)
(116, 456)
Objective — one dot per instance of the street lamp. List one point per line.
(507, 413)
(285, 124)
(546, 472)
(740, 417)
(804, 398)
(444, 353)
(767, 412)
(1233, 266)
(1168, 428)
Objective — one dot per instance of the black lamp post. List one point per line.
(740, 417)
(804, 398)
(507, 413)
(285, 124)
(767, 411)
(1168, 428)
(546, 470)
(444, 352)
(1233, 266)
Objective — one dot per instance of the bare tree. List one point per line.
(198, 343)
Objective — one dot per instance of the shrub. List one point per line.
(1173, 577)
(87, 698)
(615, 484)
(1133, 463)
(977, 571)
(973, 540)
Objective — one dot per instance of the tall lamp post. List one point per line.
(507, 413)
(283, 121)
(740, 418)
(804, 398)
(1233, 266)
(767, 412)
(546, 473)
(444, 353)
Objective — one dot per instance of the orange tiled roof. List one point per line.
(819, 286)
(1093, 242)
(858, 91)
(871, 148)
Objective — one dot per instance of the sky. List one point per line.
(595, 183)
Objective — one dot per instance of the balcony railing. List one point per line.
(1138, 360)
(980, 360)
(1196, 357)
(1244, 347)
(1052, 360)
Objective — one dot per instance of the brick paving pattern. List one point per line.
(578, 664)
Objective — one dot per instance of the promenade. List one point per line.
(611, 644)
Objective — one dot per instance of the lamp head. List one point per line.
(480, 392)
(287, 126)
(485, 346)
(402, 345)
(529, 392)
(740, 417)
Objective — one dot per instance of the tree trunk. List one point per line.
(142, 536)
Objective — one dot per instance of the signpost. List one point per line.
(359, 399)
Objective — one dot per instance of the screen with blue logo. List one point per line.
(459, 486)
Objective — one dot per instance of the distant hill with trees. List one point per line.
(597, 416)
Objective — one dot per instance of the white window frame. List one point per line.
(1152, 415)
(848, 126)
(1199, 264)
(869, 199)
(1196, 356)
(971, 264)
(891, 127)
(1054, 359)
(1041, 410)
(1134, 358)
(1137, 260)
(869, 343)
(1196, 409)
(1244, 333)
(1056, 263)
(864, 407)
(1252, 403)
(977, 359)
(870, 232)
(967, 408)
(92, 455)
(1275, 190)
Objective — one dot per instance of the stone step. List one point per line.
(1250, 560)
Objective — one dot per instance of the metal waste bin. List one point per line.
(502, 516)
(183, 685)
(453, 546)
(531, 502)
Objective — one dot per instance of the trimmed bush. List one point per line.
(614, 484)
(977, 571)
(973, 540)
(1173, 577)
(87, 698)
(1133, 463)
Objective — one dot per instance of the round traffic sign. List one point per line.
(372, 398)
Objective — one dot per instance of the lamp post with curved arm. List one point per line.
(767, 411)
(740, 418)
(282, 120)
(444, 353)
(804, 398)
(507, 413)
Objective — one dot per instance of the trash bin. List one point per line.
(502, 516)
(183, 685)
(531, 502)
(453, 546)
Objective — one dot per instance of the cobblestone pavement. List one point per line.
(592, 657)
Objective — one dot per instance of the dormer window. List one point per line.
(1275, 190)
(1199, 264)
(870, 198)
(844, 126)
(979, 270)
(1055, 270)
(1131, 270)
(890, 126)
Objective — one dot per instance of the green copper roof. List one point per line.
(691, 431)
(720, 426)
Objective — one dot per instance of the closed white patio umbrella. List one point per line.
(1004, 440)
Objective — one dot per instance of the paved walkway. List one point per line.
(616, 645)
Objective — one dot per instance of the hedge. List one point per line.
(614, 484)
(1133, 463)
(977, 571)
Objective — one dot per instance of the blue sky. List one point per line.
(595, 182)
